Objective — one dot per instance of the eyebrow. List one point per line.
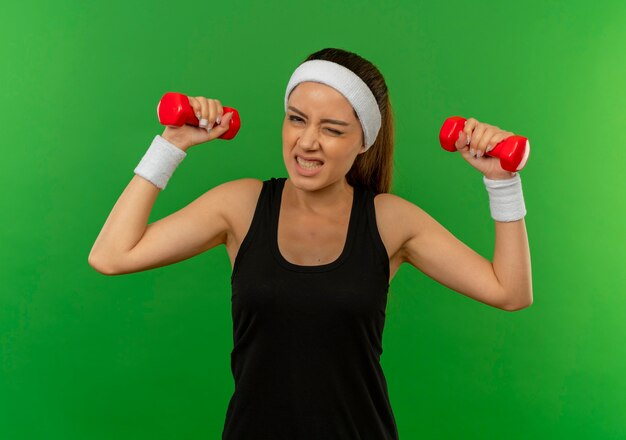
(332, 121)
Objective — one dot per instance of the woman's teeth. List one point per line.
(308, 164)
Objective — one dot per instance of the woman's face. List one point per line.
(309, 133)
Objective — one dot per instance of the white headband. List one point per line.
(349, 84)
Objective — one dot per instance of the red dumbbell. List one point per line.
(174, 109)
(512, 151)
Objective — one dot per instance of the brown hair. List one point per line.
(372, 169)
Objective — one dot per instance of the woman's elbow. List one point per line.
(514, 307)
(100, 267)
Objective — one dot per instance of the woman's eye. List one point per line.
(297, 119)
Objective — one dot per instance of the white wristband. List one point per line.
(160, 161)
(506, 199)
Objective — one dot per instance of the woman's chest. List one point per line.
(312, 241)
(315, 241)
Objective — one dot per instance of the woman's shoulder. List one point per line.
(246, 182)
(388, 206)
(247, 189)
(396, 211)
(400, 207)
(238, 198)
(243, 190)
(391, 202)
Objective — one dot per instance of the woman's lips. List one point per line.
(307, 171)
(310, 159)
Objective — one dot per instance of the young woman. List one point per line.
(313, 254)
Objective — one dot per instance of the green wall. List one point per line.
(147, 355)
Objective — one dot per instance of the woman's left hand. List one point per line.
(482, 138)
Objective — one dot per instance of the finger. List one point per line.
(204, 106)
(212, 113)
(220, 111)
(195, 105)
(218, 130)
(470, 125)
(225, 123)
(486, 139)
(461, 142)
(477, 135)
(495, 140)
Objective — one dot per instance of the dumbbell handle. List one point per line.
(512, 151)
(175, 109)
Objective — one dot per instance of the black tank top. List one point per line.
(308, 339)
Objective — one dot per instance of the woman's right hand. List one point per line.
(213, 124)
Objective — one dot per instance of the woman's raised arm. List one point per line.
(431, 248)
(127, 245)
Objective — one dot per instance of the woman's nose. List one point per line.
(308, 137)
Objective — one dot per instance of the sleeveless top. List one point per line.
(308, 339)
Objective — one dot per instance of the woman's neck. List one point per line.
(321, 201)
